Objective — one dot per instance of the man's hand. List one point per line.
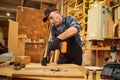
(45, 61)
(56, 44)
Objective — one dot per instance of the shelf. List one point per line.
(32, 48)
(80, 17)
(72, 3)
(80, 6)
(115, 38)
(75, 9)
(117, 5)
(22, 36)
(102, 48)
(34, 43)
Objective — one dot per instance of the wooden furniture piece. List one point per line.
(94, 70)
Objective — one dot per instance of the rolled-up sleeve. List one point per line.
(72, 22)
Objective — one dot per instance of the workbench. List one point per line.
(37, 72)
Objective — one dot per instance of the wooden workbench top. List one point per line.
(35, 70)
(51, 71)
(6, 71)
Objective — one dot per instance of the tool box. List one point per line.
(111, 71)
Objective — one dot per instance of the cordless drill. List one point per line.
(46, 58)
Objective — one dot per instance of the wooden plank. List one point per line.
(36, 66)
(64, 73)
(23, 59)
(102, 48)
(46, 1)
(6, 71)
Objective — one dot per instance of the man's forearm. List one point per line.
(68, 33)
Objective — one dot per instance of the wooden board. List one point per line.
(33, 66)
(6, 71)
(51, 71)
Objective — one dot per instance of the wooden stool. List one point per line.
(94, 70)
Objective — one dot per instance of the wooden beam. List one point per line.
(22, 2)
(7, 9)
(6, 17)
(47, 1)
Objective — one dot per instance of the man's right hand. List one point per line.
(45, 61)
(55, 44)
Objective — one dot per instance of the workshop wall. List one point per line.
(31, 25)
(5, 31)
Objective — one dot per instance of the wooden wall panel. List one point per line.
(14, 45)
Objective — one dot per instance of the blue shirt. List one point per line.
(66, 23)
